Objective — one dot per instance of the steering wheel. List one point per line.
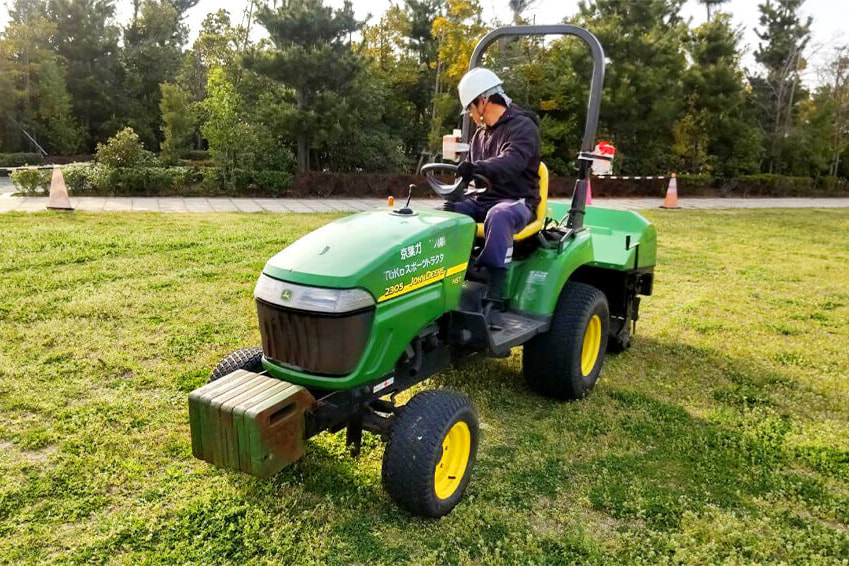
(454, 191)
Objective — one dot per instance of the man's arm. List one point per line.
(513, 154)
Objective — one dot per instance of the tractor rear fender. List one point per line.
(535, 283)
(615, 253)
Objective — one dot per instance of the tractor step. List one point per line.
(249, 422)
(516, 329)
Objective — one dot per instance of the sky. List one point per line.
(830, 17)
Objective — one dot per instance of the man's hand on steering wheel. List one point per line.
(466, 171)
(453, 191)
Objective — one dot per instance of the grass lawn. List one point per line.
(721, 436)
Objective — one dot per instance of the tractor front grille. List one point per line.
(318, 343)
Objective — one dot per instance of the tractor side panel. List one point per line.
(538, 281)
(536, 285)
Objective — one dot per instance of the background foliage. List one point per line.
(326, 92)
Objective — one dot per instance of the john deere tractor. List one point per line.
(372, 304)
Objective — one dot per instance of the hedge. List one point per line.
(31, 180)
(95, 179)
(20, 159)
(208, 181)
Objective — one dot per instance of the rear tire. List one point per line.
(565, 362)
(248, 359)
(431, 451)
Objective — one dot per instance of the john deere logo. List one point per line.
(286, 295)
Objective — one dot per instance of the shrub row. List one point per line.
(97, 179)
(30, 180)
(20, 159)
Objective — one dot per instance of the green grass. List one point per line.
(722, 436)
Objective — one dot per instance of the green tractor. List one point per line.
(372, 304)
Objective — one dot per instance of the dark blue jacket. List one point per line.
(508, 154)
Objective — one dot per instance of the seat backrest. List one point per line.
(542, 208)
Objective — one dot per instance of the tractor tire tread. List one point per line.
(415, 438)
(248, 359)
(547, 356)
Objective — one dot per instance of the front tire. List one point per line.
(248, 359)
(431, 451)
(565, 362)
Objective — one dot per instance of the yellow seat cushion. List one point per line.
(542, 209)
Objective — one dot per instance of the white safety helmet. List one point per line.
(478, 82)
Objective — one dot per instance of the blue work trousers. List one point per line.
(501, 221)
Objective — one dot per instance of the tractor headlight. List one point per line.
(315, 299)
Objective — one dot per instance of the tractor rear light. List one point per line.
(313, 299)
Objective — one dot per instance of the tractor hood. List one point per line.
(380, 251)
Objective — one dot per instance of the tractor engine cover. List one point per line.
(249, 422)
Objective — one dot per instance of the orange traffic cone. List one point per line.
(671, 200)
(589, 191)
(58, 192)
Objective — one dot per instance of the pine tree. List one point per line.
(717, 120)
(37, 106)
(153, 44)
(314, 57)
(778, 92)
(644, 42)
(87, 39)
(711, 6)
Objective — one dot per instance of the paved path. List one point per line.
(199, 204)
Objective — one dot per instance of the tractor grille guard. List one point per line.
(318, 343)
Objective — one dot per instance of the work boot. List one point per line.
(495, 301)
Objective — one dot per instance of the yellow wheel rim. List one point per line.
(592, 343)
(456, 448)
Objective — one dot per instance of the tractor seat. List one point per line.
(542, 209)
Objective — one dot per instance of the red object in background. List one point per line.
(606, 148)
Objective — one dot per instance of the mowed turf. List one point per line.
(722, 436)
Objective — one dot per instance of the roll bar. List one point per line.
(576, 212)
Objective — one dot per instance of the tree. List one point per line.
(458, 30)
(178, 121)
(711, 5)
(421, 14)
(54, 112)
(403, 57)
(243, 133)
(225, 128)
(518, 7)
(643, 95)
(216, 47)
(314, 57)
(152, 52)
(834, 96)
(36, 102)
(87, 40)
(717, 132)
(784, 38)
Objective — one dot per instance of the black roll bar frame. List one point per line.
(575, 220)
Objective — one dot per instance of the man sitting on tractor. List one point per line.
(505, 149)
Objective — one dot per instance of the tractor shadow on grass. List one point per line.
(669, 428)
